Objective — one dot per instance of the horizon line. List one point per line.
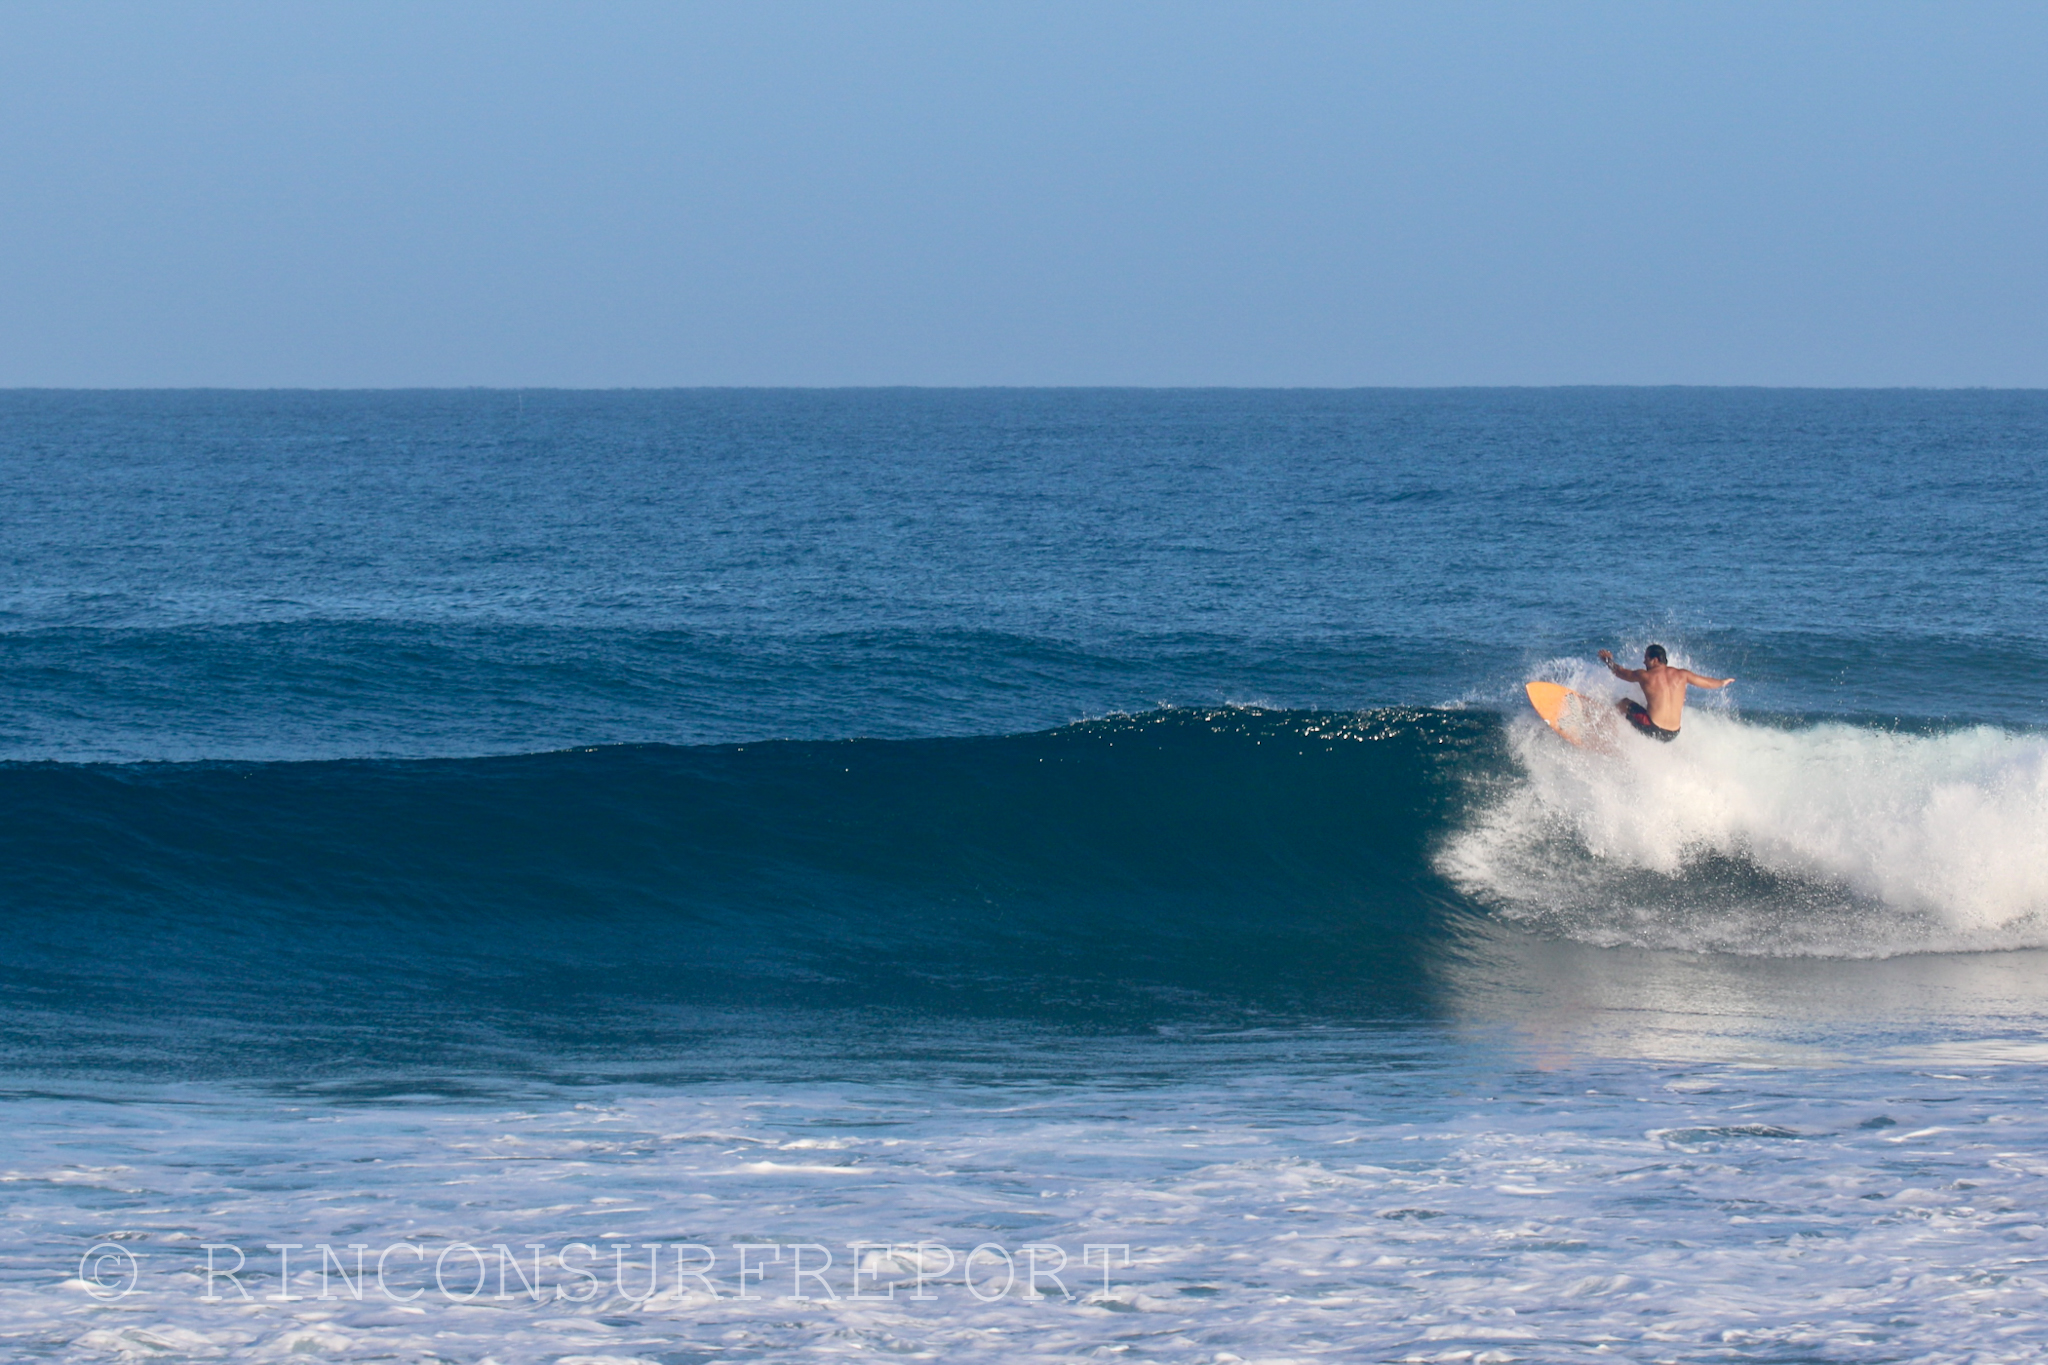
(1009, 388)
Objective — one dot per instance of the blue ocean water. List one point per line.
(885, 821)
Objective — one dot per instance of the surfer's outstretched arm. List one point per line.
(1634, 675)
(1714, 684)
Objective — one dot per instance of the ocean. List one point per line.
(702, 876)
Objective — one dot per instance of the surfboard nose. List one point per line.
(1549, 699)
(1566, 712)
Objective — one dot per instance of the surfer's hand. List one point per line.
(1605, 657)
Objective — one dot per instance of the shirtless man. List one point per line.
(1663, 687)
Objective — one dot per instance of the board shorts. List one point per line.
(1634, 713)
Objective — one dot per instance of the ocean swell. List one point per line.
(1122, 865)
(1119, 872)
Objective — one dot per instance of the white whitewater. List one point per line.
(1836, 839)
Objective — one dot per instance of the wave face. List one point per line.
(1094, 871)
(1122, 870)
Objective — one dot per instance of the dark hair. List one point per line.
(1656, 652)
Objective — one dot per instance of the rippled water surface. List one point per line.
(1020, 874)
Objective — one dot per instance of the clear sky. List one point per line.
(369, 194)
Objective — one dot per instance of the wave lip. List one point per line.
(1831, 840)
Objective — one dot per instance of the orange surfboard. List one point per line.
(1568, 713)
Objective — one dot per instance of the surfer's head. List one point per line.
(1654, 654)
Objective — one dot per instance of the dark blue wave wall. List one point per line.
(1110, 870)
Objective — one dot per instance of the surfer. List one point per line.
(1663, 687)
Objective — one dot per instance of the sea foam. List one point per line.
(1836, 839)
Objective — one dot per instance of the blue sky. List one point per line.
(614, 194)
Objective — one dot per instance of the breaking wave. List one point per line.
(1118, 870)
(1830, 839)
